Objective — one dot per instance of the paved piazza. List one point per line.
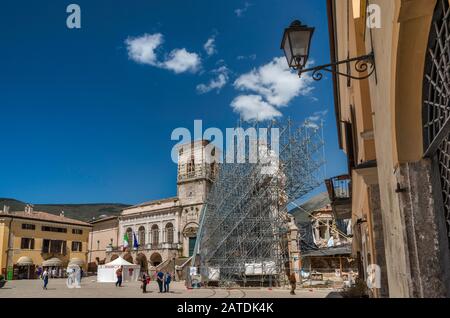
(91, 289)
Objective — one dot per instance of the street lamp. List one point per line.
(296, 44)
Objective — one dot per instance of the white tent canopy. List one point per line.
(120, 262)
(107, 273)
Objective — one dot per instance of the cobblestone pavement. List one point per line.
(91, 289)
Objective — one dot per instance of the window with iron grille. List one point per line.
(436, 101)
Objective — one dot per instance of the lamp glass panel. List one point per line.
(287, 50)
(300, 43)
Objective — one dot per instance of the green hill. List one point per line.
(82, 212)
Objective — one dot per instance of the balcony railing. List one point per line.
(187, 171)
(339, 188)
(340, 192)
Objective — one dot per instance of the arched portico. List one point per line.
(409, 52)
(128, 257)
(155, 259)
(141, 260)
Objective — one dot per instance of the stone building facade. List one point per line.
(394, 128)
(166, 229)
(104, 235)
(31, 239)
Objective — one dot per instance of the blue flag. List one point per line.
(135, 244)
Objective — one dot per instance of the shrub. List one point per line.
(359, 290)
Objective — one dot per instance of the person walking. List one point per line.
(167, 280)
(145, 278)
(160, 280)
(293, 282)
(39, 272)
(45, 279)
(119, 277)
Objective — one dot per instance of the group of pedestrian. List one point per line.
(163, 280)
(46, 273)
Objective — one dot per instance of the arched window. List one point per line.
(155, 236)
(141, 236)
(436, 103)
(169, 233)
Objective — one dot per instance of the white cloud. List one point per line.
(240, 11)
(210, 46)
(313, 125)
(142, 50)
(216, 83)
(181, 61)
(316, 120)
(275, 85)
(253, 107)
(321, 113)
(245, 57)
(276, 82)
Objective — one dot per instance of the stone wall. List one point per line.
(427, 242)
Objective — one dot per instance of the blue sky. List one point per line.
(87, 114)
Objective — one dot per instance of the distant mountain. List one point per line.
(82, 212)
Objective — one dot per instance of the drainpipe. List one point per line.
(118, 229)
(8, 247)
(90, 253)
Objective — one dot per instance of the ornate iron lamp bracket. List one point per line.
(364, 65)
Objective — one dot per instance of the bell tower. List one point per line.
(195, 172)
(194, 180)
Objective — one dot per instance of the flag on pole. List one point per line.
(135, 244)
(125, 241)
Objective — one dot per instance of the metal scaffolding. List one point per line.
(242, 238)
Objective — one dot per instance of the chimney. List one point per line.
(61, 214)
(6, 209)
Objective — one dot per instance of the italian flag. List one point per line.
(125, 241)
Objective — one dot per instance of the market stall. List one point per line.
(24, 268)
(54, 266)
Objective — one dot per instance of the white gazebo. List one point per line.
(107, 273)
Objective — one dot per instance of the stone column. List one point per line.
(420, 199)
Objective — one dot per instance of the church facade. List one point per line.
(166, 229)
